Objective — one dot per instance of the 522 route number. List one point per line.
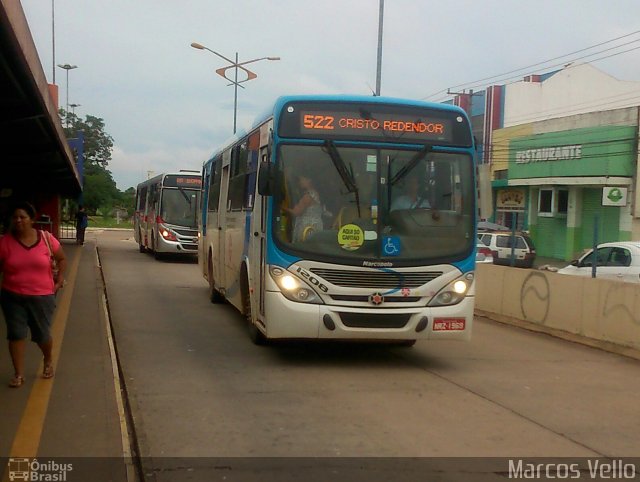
(311, 121)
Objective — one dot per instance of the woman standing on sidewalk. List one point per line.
(28, 288)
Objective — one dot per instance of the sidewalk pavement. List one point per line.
(77, 413)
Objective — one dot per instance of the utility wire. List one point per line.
(499, 76)
(578, 108)
(567, 67)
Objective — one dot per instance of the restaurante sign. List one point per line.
(560, 153)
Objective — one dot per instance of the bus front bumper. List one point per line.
(184, 245)
(290, 320)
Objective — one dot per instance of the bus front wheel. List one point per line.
(257, 337)
(214, 294)
(157, 254)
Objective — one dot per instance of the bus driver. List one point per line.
(412, 198)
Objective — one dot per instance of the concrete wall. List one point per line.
(600, 310)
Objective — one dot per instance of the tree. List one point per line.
(97, 143)
(127, 200)
(100, 190)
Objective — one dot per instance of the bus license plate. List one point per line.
(449, 324)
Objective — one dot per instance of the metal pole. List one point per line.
(53, 38)
(235, 95)
(512, 261)
(379, 63)
(595, 246)
(66, 114)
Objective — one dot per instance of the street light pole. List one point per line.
(379, 62)
(235, 94)
(67, 67)
(53, 37)
(235, 82)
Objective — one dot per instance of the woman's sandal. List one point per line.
(47, 371)
(16, 381)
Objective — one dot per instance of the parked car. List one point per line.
(500, 245)
(483, 253)
(619, 260)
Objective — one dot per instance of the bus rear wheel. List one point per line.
(214, 295)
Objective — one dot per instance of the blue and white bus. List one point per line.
(345, 217)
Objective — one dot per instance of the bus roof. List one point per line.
(159, 177)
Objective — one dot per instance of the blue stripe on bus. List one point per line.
(466, 265)
(247, 234)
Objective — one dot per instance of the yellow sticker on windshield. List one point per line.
(350, 237)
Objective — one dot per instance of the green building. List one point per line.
(569, 179)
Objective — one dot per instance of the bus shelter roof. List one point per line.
(34, 153)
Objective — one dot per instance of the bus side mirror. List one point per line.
(265, 179)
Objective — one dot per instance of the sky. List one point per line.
(167, 109)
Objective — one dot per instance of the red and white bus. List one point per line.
(166, 220)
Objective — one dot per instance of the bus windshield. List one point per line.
(356, 204)
(179, 206)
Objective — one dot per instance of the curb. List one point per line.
(608, 346)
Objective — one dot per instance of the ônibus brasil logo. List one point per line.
(33, 470)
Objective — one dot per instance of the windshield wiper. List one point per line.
(413, 162)
(184, 195)
(345, 175)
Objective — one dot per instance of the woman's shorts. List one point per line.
(28, 312)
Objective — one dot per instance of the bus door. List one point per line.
(220, 256)
(152, 213)
(202, 221)
(258, 246)
(146, 217)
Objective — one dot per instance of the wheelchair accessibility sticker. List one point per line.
(391, 245)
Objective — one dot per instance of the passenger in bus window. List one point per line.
(307, 212)
(412, 199)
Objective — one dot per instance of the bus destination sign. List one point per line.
(376, 122)
(193, 182)
(352, 124)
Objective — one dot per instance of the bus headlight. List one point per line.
(454, 292)
(166, 233)
(293, 288)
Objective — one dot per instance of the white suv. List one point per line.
(500, 244)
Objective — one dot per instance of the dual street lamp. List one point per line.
(67, 67)
(234, 81)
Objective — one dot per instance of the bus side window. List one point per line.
(238, 173)
(214, 186)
